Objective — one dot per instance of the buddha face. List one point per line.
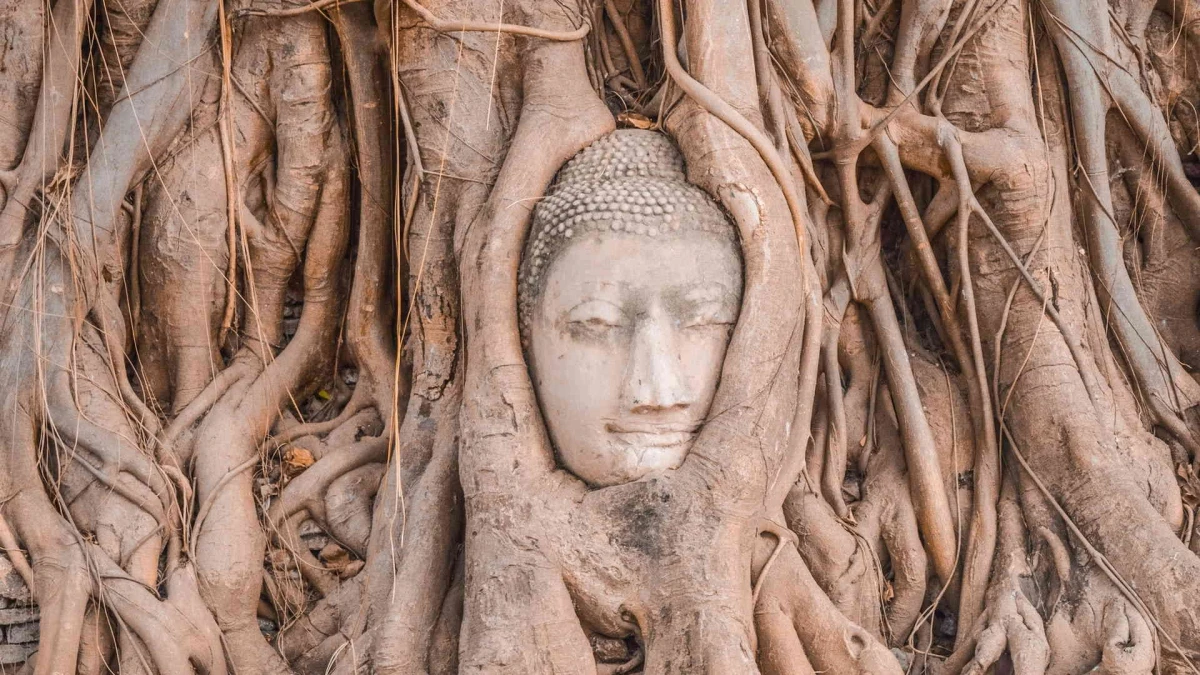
(626, 343)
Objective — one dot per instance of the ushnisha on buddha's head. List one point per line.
(629, 289)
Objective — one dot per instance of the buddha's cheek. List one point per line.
(579, 389)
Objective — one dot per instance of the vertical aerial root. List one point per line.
(435, 520)
(834, 470)
(1009, 621)
(1097, 86)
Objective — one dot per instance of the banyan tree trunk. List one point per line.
(268, 404)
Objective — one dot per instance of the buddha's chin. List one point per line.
(633, 462)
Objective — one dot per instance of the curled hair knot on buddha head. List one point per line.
(631, 181)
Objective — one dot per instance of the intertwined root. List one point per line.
(899, 508)
(1128, 641)
(800, 630)
(1010, 625)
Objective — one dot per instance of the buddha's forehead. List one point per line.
(621, 266)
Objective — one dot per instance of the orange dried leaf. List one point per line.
(334, 556)
(634, 120)
(296, 460)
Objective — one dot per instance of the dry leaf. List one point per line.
(352, 568)
(634, 120)
(335, 557)
(296, 460)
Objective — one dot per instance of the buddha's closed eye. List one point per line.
(595, 317)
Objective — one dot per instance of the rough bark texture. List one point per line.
(265, 407)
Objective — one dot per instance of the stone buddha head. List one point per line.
(629, 288)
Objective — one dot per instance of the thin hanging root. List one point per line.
(804, 156)
(770, 95)
(138, 129)
(448, 26)
(113, 335)
(959, 167)
(228, 162)
(416, 167)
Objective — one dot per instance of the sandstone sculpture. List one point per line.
(630, 286)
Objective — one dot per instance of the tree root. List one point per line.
(799, 627)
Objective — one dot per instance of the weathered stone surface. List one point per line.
(14, 654)
(22, 633)
(16, 615)
(312, 535)
(12, 586)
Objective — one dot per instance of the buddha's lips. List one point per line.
(653, 435)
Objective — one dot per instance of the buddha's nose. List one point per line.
(655, 381)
